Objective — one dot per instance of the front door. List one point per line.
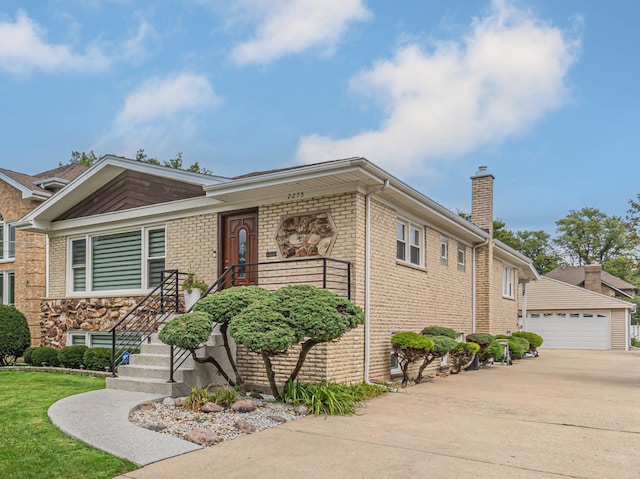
(240, 242)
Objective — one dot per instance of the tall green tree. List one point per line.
(90, 158)
(590, 235)
(537, 245)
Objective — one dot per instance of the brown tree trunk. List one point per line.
(428, 359)
(271, 375)
(306, 347)
(225, 340)
(212, 360)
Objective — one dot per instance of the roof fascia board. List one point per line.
(519, 259)
(617, 289)
(281, 177)
(27, 194)
(136, 216)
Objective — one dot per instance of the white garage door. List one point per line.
(571, 330)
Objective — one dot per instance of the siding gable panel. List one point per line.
(129, 190)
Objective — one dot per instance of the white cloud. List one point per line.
(161, 112)
(24, 49)
(506, 73)
(293, 26)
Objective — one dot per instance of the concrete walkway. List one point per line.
(567, 414)
(101, 419)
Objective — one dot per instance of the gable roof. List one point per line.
(575, 275)
(93, 179)
(34, 186)
(550, 294)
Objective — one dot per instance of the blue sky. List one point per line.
(544, 92)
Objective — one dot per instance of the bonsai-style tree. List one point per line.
(15, 337)
(439, 331)
(483, 340)
(296, 314)
(462, 355)
(535, 340)
(517, 346)
(223, 306)
(410, 347)
(442, 345)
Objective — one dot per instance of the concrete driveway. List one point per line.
(566, 414)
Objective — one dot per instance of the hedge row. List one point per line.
(74, 357)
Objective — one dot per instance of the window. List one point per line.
(95, 339)
(7, 241)
(507, 282)
(444, 250)
(461, 257)
(409, 242)
(7, 287)
(129, 260)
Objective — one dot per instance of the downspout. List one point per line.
(367, 280)
(46, 266)
(524, 307)
(473, 283)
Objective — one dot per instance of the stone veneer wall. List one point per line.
(87, 314)
(29, 263)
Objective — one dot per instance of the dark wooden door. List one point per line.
(240, 240)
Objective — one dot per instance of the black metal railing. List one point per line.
(326, 273)
(130, 332)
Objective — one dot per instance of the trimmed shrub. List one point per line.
(535, 340)
(495, 350)
(97, 359)
(441, 347)
(410, 347)
(440, 331)
(462, 355)
(27, 355)
(72, 356)
(188, 331)
(481, 339)
(46, 355)
(15, 337)
(517, 346)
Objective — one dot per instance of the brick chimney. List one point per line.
(482, 199)
(482, 216)
(593, 277)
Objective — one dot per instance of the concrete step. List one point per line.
(149, 385)
(162, 360)
(148, 372)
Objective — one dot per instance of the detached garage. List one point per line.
(571, 317)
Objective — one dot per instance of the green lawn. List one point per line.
(32, 447)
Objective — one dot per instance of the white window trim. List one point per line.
(444, 241)
(462, 249)
(88, 265)
(410, 226)
(5, 284)
(397, 370)
(508, 278)
(6, 227)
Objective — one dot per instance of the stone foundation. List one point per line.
(57, 316)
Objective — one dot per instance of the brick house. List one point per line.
(23, 253)
(413, 262)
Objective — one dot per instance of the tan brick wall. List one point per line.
(405, 298)
(505, 310)
(190, 244)
(57, 266)
(344, 357)
(29, 264)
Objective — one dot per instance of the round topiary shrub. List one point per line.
(495, 350)
(462, 355)
(47, 356)
(14, 334)
(535, 340)
(97, 359)
(481, 339)
(518, 347)
(439, 331)
(410, 347)
(28, 355)
(187, 331)
(72, 356)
